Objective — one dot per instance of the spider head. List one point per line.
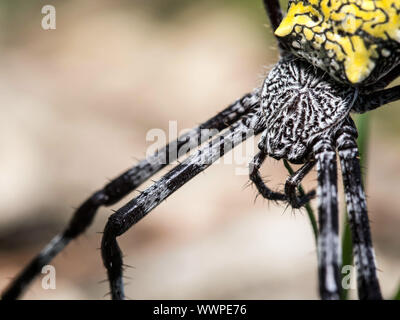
(355, 41)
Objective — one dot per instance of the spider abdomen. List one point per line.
(300, 103)
(356, 41)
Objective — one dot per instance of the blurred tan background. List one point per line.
(76, 104)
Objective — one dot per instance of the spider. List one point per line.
(336, 57)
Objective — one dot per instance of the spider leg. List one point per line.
(292, 184)
(274, 12)
(255, 177)
(368, 284)
(127, 182)
(138, 208)
(328, 240)
(372, 101)
(385, 80)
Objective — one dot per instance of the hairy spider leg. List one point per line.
(294, 181)
(136, 209)
(363, 252)
(385, 80)
(256, 178)
(274, 12)
(372, 101)
(328, 241)
(127, 182)
(290, 194)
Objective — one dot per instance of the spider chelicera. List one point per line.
(330, 66)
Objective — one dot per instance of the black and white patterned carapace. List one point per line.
(303, 115)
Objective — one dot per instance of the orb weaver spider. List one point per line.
(336, 57)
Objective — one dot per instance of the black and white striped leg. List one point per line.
(126, 183)
(139, 207)
(328, 241)
(292, 184)
(385, 80)
(372, 101)
(363, 252)
(275, 16)
(274, 12)
(256, 178)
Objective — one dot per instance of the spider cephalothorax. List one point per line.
(304, 117)
(300, 104)
(355, 41)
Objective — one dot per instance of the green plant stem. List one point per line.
(397, 295)
(309, 210)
